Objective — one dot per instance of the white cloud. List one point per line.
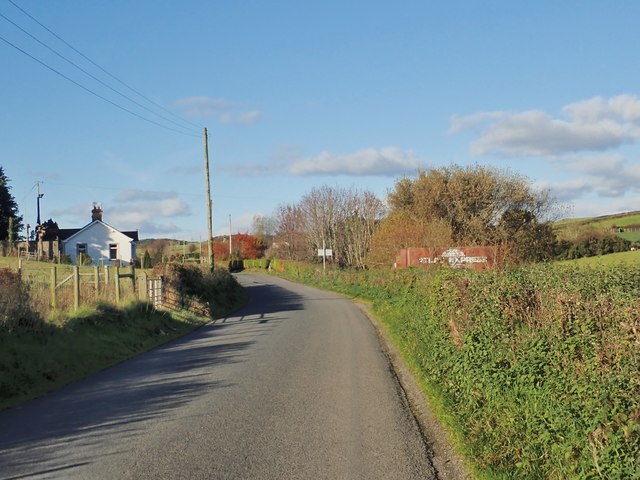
(611, 176)
(134, 195)
(242, 118)
(226, 112)
(595, 124)
(146, 211)
(387, 161)
(200, 107)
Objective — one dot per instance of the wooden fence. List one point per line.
(74, 286)
(71, 286)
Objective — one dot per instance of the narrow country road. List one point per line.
(294, 386)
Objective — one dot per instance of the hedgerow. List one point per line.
(538, 366)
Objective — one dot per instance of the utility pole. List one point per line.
(230, 247)
(40, 195)
(209, 203)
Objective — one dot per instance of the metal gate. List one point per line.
(155, 291)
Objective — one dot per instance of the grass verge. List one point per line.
(40, 355)
(534, 370)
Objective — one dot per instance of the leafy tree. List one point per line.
(480, 206)
(8, 209)
(221, 251)
(247, 246)
(402, 230)
(51, 230)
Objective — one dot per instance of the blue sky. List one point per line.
(302, 94)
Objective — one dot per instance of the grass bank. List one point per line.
(534, 370)
(38, 355)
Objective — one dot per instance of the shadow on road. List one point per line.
(266, 300)
(118, 401)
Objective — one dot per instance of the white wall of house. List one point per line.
(103, 243)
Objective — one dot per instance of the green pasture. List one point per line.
(613, 259)
(603, 223)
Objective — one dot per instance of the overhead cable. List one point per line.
(91, 75)
(103, 69)
(94, 93)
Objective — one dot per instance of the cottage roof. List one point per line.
(66, 233)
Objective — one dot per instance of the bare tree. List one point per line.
(289, 234)
(342, 219)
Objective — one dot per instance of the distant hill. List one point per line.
(625, 225)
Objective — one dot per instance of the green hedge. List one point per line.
(536, 369)
(262, 263)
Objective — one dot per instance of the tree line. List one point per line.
(440, 207)
(452, 206)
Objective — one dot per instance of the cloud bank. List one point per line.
(147, 211)
(389, 162)
(595, 124)
(579, 144)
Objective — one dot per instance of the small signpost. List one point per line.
(324, 253)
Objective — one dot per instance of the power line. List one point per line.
(91, 75)
(92, 92)
(101, 68)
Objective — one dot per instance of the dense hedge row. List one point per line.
(591, 247)
(538, 367)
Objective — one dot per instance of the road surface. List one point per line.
(294, 386)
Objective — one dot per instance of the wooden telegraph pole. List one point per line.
(209, 204)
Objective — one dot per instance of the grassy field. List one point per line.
(565, 228)
(613, 259)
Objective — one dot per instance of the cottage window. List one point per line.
(113, 251)
(81, 248)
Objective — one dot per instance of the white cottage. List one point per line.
(103, 243)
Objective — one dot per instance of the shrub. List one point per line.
(84, 259)
(15, 309)
(219, 290)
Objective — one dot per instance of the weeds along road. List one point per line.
(295, 385)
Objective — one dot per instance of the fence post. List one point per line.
(76, 287)
(133, 278)
(142, 288)
(106, 274)
(117, 281)
(96, 278)
(52, 287)
(20, 267)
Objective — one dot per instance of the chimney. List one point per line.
(96, 213)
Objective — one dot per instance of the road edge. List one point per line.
(447, 463)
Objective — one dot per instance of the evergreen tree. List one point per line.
(146, 260)
(8, 209)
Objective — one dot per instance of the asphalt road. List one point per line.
(295, 385)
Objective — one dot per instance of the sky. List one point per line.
(301, 94)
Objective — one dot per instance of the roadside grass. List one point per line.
(533, 370)
(39, 353)
(51, 355)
